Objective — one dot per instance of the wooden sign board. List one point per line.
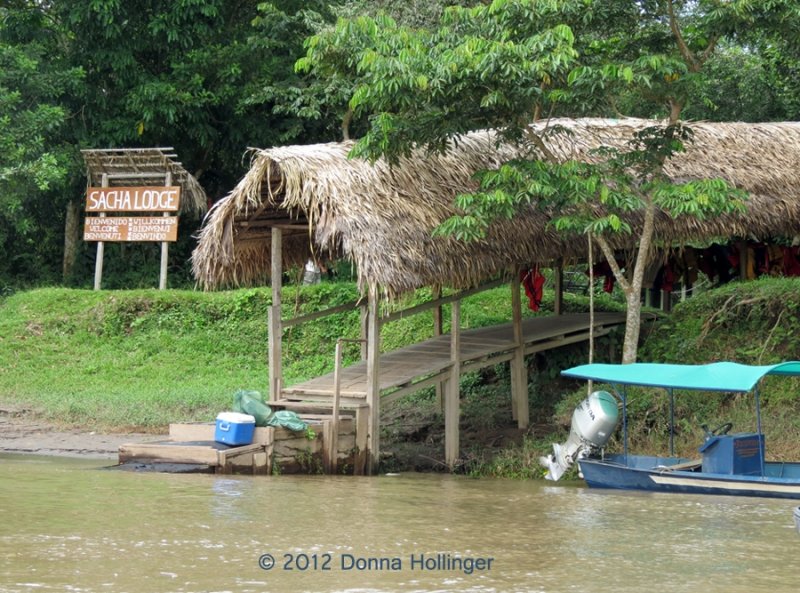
(130, 228)
(133, 199)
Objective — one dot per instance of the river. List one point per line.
(66, 525)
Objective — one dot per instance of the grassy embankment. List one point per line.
(141, 359)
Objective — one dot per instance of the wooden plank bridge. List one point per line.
(364, 387)
(361, 389)
(408, 369)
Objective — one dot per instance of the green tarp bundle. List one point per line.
(251, 402)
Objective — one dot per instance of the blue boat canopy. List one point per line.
(717, 376)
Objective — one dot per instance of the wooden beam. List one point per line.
(452, 403)
(317, 314)
(519, 374)
(148, 175)
(274, 318)
(441, 301)
(373, 380)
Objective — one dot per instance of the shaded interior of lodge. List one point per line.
(301, 203)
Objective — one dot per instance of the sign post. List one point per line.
(98, 264)
(140, 199)
(162, 280)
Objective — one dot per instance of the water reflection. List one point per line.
(67, 526)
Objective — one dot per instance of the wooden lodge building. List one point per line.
(301, 202)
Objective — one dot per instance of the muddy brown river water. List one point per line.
(66, 525)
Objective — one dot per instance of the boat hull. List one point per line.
(637, 472)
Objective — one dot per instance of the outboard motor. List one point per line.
(593, 422)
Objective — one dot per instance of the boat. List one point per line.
(729, 464)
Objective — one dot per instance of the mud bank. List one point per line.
(22, 432)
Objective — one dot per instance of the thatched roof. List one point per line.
(144, 166)
(382, 217)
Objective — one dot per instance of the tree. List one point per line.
(203, 76)
(35, 161)
(509, 63)
(334, 52)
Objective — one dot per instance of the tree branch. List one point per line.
(539, 143)
(712, 45)
(676, 31)
(612, 262)
(348, 117)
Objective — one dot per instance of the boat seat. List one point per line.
(686, 466)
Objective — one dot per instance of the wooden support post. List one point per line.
(363, 316)
(452, 404)
(558, 289)
(743, 259)
(438, 327)
(274, 317)
(327, 447)
(519, 374)
(362, 430)
(337, 392)
(373, 380)
(162, 278)
(98, 262)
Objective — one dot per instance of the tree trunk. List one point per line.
(633, 321)
(633, 287)
(633, 296)
(72, 237)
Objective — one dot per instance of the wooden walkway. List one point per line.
(419, 365)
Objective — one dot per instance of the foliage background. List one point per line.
(213, 77)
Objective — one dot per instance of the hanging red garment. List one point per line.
(668, 279)
(604, 269)
(791, 263)
(533, 281)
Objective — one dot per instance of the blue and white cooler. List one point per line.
(234, 428)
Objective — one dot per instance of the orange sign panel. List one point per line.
(133, 199)
(130, 228)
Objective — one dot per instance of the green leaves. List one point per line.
(498, 63)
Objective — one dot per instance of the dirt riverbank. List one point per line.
(22, 432)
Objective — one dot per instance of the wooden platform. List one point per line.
(410, 368)
(273, 450)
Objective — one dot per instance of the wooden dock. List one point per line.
(364, 387)
(410, 368)
(324, 448)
